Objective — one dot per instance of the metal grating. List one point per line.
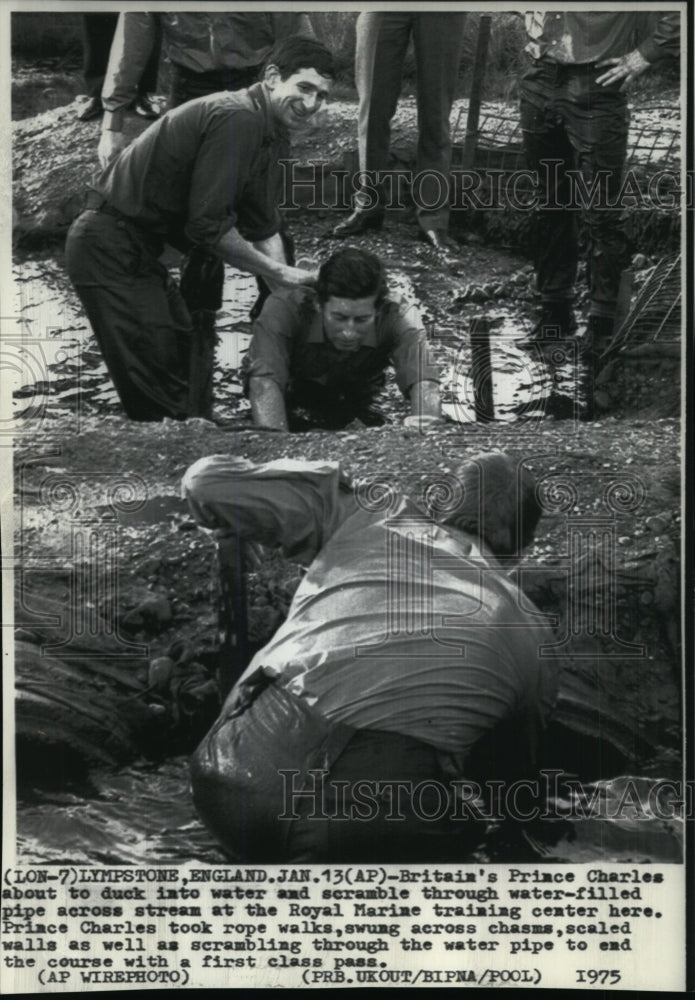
(655, 315)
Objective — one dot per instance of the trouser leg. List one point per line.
(97, 34)
(385, 798)
(148, 81)
(139, 318)
(597, 127)
(550, 155)
(438, 39)
(258, 773)
(202, 282)
(382, 41)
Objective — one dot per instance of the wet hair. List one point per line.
(352, 274)
(499, 503)
(301, 52)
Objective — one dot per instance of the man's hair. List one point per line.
(352, 274)
(499, 503)
(301, 52)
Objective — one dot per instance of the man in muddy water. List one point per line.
(407, 661)
(206, 174)
(574, 117)
(325, 351)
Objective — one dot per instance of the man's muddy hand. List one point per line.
(626, 68)
(295, 277)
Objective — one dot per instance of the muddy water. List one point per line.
(57, 367)
(159, 824)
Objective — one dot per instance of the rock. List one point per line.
(659, 523)
(160, 673)
(153, 613)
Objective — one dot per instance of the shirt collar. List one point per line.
(258, 92)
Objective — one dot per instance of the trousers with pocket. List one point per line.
(575, 140)
(136, 310)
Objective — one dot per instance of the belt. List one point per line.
(96, 203)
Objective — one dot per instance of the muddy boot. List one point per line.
(595, 382)
(556, 323)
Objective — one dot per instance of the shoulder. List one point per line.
(397, 316)
(237, 105)
(286, 306)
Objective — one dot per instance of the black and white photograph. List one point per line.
(346, 539)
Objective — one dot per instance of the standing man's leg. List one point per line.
(97, 34)
(147, 83)
(549, 154)
(438, 40)
(382, 41)
(139, 319)
(597, 125)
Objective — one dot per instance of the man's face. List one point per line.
(346, 322)
(296, 99)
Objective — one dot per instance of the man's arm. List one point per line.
(296, 505)
(254, 258)
(132, 46)
(416, 373)
(267, 403)
(664, 41)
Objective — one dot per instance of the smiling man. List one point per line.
(325, 350)
(206, 175)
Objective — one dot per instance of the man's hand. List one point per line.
(110, 145)
(294, 277)
(625, 68)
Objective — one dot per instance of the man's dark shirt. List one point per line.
(202, 169)
(590, 36)
(289, 345)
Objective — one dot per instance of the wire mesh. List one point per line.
(655, 314)
(654, 140)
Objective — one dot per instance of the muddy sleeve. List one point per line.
(410, 353)
(270, 350)
(665, 39)
(288, 504)
(221, 176)
(132, 46)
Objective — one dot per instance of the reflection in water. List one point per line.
(159, 825)
(59, 366)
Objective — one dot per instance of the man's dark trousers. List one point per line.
(97, 35)
(570, 123)
(136, 310)
(382, 42)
